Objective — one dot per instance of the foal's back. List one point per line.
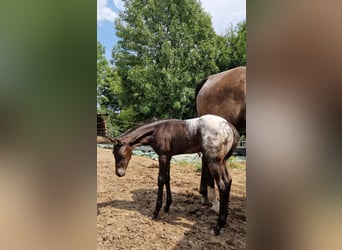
(217, 135)
(209, 134)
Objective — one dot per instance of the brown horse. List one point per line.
(211, 135)
(222, 94)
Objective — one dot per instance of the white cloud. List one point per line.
(104, 12)
(224, 13)
(119, 4)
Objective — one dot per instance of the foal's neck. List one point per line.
(139, 136)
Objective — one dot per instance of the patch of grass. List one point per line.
(197, 166)
(234, 163)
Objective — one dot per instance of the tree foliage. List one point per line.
(108, 92)
(165, 48)
(108, 84)
(233, 47)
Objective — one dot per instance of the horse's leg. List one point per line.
(167, 184)
(203, 190)
(211, 188)
(215, 204)
(161, 182)
(207, 186)
(223, 181)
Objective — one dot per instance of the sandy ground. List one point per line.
(125, 206)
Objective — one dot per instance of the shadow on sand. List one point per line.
(189, 207)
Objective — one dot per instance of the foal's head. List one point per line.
(122, 152)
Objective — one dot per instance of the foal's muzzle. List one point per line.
(120, 172)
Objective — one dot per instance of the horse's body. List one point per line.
(209, 134)
(222, 94)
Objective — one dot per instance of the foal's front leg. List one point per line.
(163, 178)
(167, 184)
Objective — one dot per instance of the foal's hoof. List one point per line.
(215, 230)
(154, 216)
(215, 208)
(205, 201)
(166, 209)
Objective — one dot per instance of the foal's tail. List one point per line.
(235, 142)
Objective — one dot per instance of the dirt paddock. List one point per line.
(125, 206)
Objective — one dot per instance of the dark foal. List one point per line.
(211, 135)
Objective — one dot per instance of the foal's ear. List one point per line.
(111, 139)
(115, 141)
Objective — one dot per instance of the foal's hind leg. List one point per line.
(215, 204)
(207, 186)
(203, 190)
(223, 182)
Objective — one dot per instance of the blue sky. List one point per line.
(223, 14)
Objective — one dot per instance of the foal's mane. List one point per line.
(144, 130)
(132, 129)
(139, 125)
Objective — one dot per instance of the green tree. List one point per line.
(108, 91)
(165, 48)
(233, 47)
(108, 84)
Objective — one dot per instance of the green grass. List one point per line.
(232, 163)
(197, 166)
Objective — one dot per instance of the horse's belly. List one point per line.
(188, 151)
